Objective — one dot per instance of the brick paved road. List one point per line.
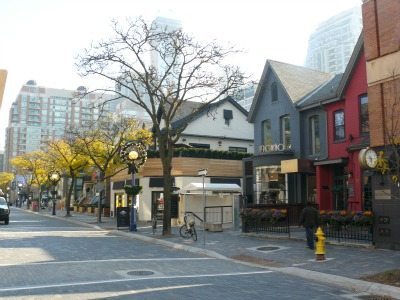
(45, 258)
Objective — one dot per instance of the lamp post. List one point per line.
(54, 178)
(134, 154)
(203, 173)
(19, 204)
(8, 194)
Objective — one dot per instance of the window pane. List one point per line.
(285, 126)
(364, 120)
(266, 131)
(314, 133)
(339, 125)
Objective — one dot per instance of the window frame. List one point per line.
(336, 137)
(268, 140)
(363, 117)
(315, 134)
(274, 92)
(285, 134)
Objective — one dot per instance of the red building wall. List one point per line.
(350, 103)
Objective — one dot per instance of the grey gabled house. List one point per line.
(276, 174)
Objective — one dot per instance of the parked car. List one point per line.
(4, 210)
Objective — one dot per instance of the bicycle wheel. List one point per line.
(183, 231)
(194, 234)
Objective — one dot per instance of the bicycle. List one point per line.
(154, 224)
(188, 230)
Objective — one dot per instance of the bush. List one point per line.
(202, 153)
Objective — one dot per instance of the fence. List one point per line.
(280, 219)
(348, 233)
(293, 210)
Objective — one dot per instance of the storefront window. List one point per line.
(270, 185)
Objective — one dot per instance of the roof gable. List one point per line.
(296, 81)
(192, 111)
(358, 50)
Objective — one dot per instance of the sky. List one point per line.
(40, 39)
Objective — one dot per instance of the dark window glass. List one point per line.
(364, 120)
(228, 116)
(202, 146)
(339, 125)
(285, 131)
(315, 135)
(274, 92)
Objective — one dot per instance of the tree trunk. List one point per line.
(167, 167)
(69, 195)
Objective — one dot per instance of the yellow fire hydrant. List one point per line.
(320, 244)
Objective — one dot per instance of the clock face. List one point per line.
(371, 158)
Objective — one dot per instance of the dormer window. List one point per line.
(274, 92)
(228, 116)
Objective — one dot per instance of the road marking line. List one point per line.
(12, 289)
(108, 260)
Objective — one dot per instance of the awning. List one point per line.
(197, 187)
(331, 162)
(297, 166)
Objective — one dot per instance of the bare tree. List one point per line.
(389, 159)
(187, 71)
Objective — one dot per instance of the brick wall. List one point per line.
(381, 27)
(381, 21)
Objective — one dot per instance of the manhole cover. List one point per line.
(140, 273)
(268, 248)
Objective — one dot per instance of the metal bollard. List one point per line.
(320, 245)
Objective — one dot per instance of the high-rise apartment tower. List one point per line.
(331, 44)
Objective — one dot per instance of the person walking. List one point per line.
(309, 219)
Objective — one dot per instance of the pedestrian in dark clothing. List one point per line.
(309, 219)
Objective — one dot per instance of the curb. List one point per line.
(329, 279)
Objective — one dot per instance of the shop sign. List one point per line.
(275, 147)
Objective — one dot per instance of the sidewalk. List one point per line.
(343, 267)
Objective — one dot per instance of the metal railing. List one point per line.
(259, 218)
(348, 232)
(259, 225)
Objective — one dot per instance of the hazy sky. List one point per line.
(39, 39)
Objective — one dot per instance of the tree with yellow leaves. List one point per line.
(5, 179)
(66, 156)
(34, 167)
(102, 144)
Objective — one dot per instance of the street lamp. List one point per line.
(19, 204)
(8, 194)
(54, 178)
(203, 173)
(134, 154)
